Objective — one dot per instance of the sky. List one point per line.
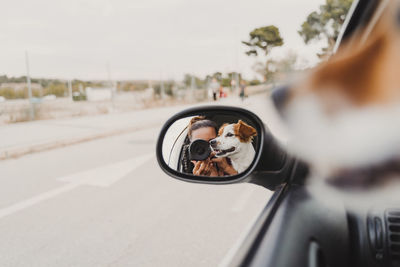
(144, 39)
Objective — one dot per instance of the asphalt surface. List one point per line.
(107, 203)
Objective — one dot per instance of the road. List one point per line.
(107, 203)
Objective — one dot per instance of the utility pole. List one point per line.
(28, 80)
(192, 82)
(162, 89)
(110, 84)
(192, 86)
(162, 86)
(237, 80)
(70, 90)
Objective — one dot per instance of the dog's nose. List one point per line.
(213, 142)
(280, 96)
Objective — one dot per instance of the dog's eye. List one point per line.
(229, 134)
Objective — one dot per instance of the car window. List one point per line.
(174, 140)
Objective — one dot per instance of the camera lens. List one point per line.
(199, 150)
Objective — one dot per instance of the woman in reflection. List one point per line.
(202, 128)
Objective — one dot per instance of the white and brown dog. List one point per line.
(234, 141)
(345, 115)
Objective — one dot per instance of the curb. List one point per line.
(14, 153)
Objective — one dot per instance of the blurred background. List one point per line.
(85, 87)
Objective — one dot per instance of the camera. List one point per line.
(199, 150)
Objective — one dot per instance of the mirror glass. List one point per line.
(212, 145)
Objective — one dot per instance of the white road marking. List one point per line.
(240, 202)
(107, 175)
(103, 176)
(36, 199)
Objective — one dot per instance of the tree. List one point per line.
(288, 63)
(198, 82)
(58, 89)
(168, 88)
(325, 23)
(255, 81)
(217, 75)
(274, 69)
(267, 70)
(264, 39)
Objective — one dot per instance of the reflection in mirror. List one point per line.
(212, 145)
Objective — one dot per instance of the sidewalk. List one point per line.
(29, 137)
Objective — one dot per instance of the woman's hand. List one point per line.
(224, 166)
(204, 168)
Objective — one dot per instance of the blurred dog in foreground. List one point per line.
(345, 115)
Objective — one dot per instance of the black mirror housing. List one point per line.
(270, 168)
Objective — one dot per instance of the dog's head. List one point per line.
(364, 72)
(232, 137)
(345, 112)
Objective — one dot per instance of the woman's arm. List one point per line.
(224, 166)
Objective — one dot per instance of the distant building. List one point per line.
(148, 92)
(21, 86)
(98, 94)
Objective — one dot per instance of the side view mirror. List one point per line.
(221, 145)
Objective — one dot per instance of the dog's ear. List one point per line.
(244, 131)
(362, 72)
(221, 129)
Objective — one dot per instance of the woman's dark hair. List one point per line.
(194, 124)
(200, 122)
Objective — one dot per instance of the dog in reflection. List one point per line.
(235, 142)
